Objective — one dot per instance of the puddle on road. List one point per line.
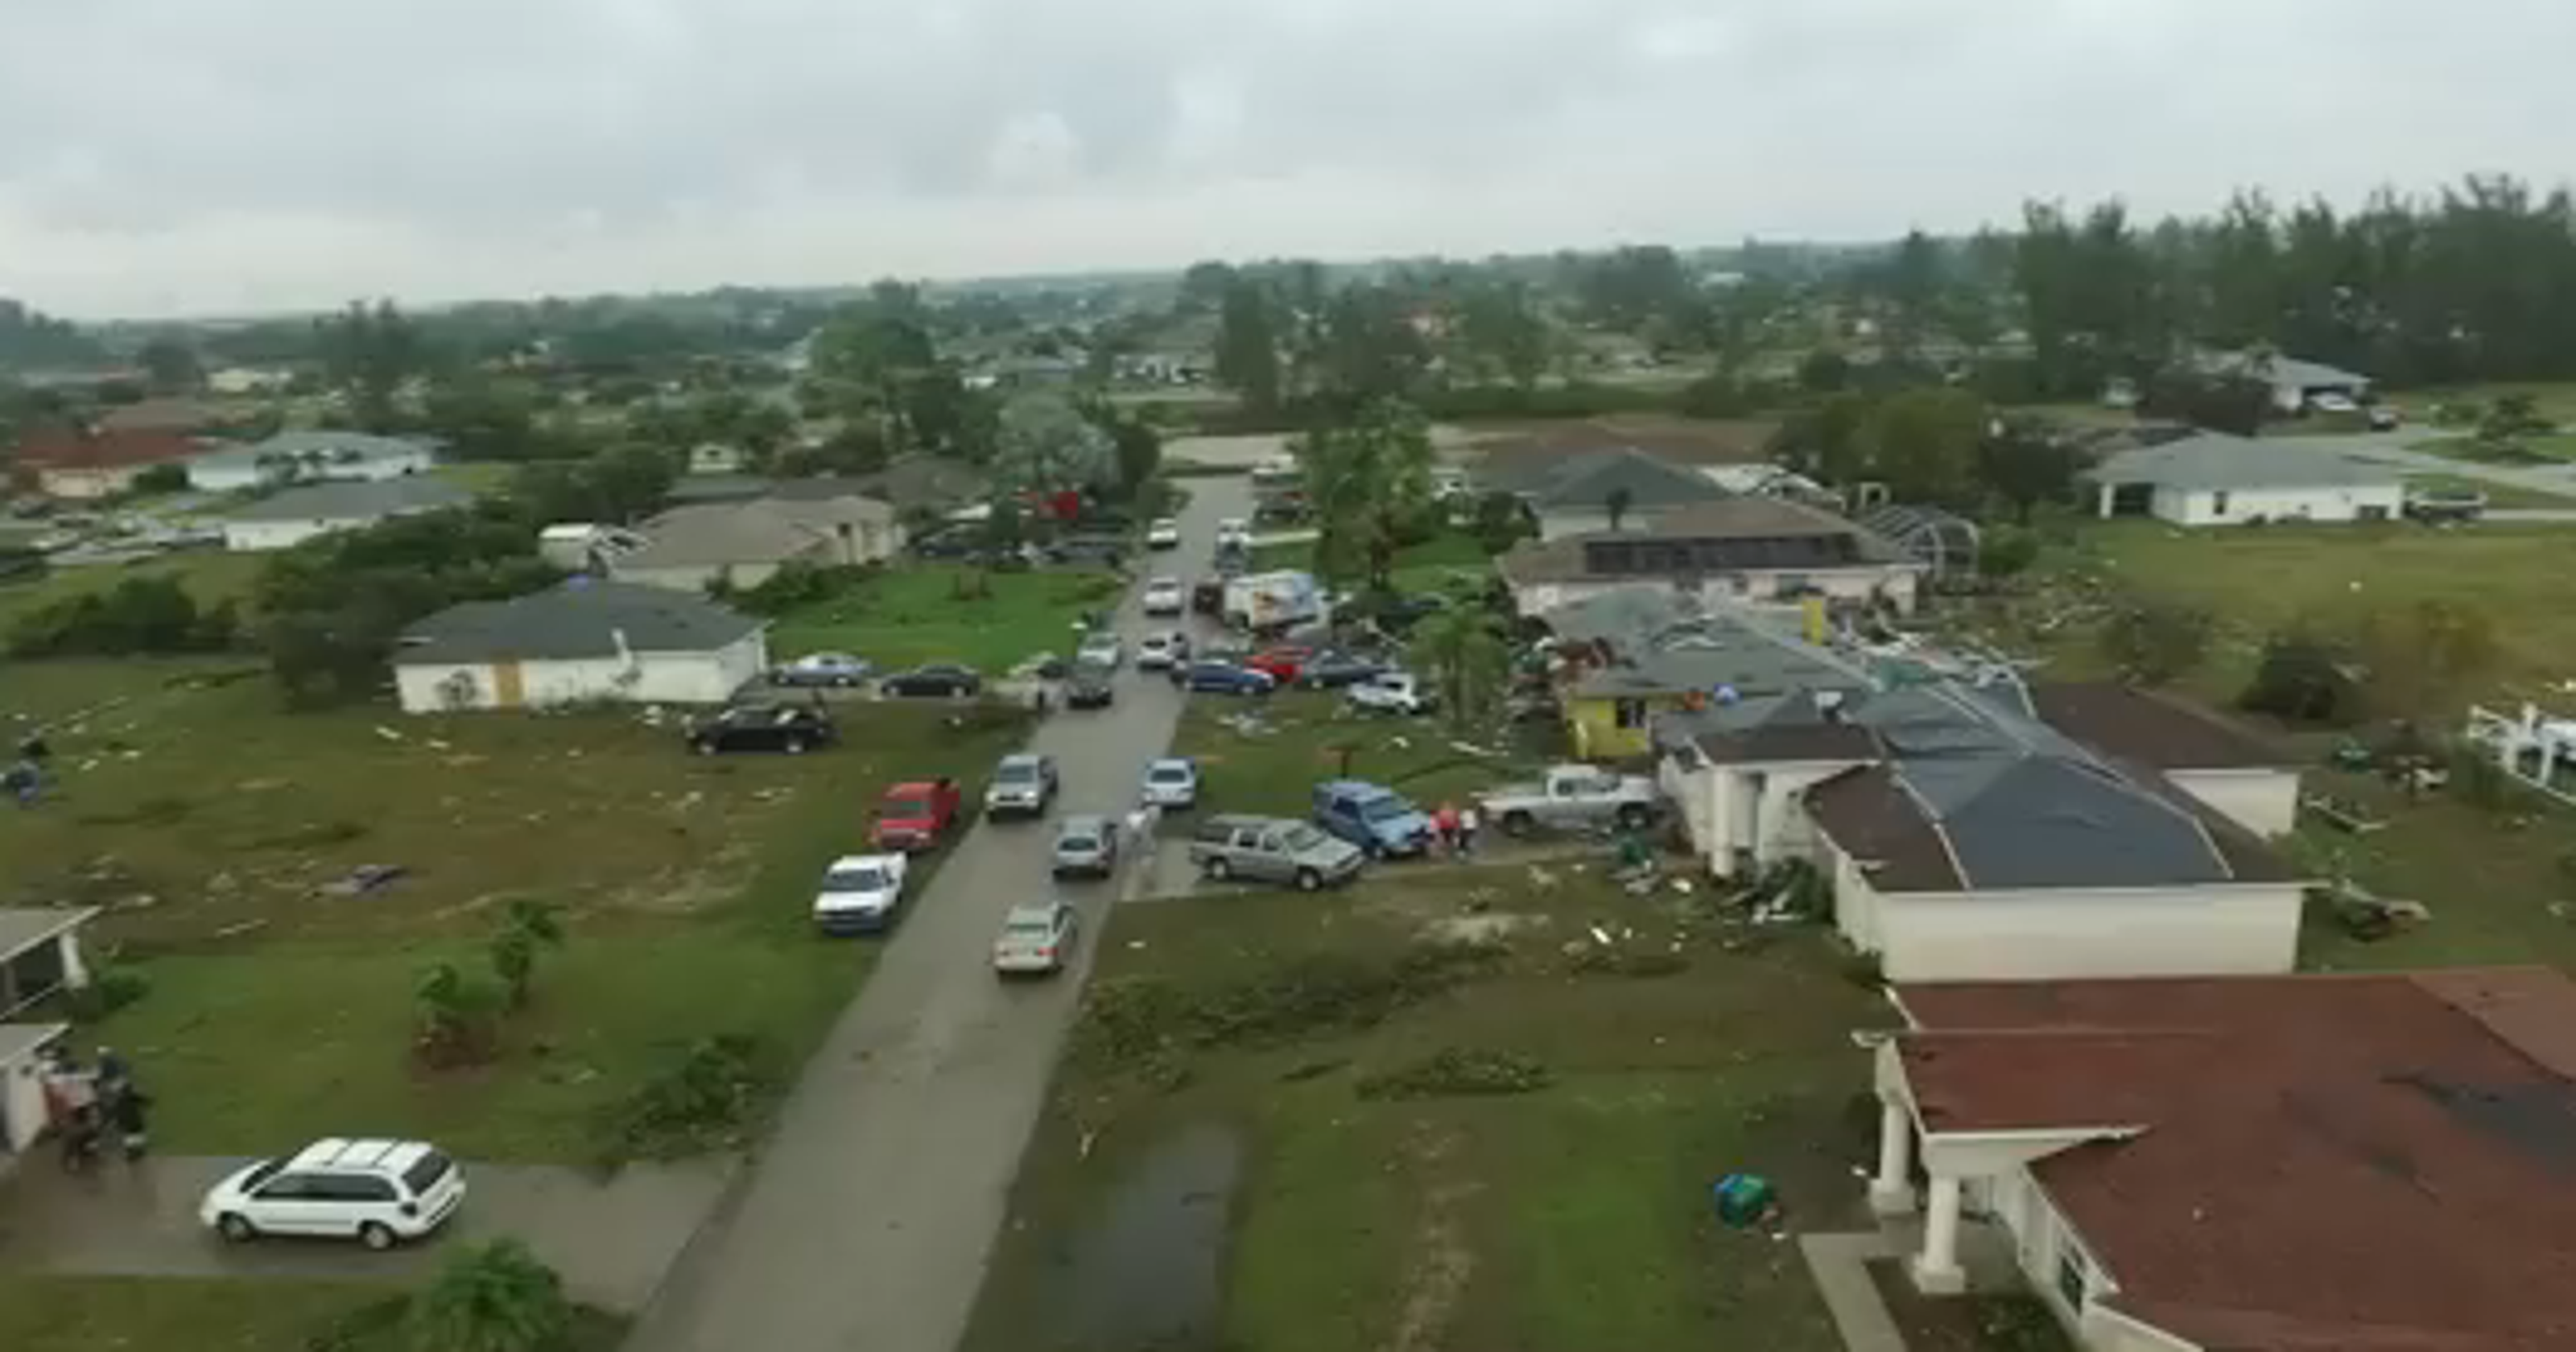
(1147, 1268)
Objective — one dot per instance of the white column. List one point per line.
(1892, 1192)
(75, 971)
(1936, 1269)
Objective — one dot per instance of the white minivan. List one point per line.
(377, 1192)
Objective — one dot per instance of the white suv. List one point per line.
(376, 1192)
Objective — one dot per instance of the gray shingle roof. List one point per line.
(766, 530)
(2214, 460)
(1587, 478)
(355, 500)
(576, 620)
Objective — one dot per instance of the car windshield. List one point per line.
(856, 878)
(426, 1172)
(1302, 837)
(1030, 927)
(1016, 772)
(261, 1173)
(1384, 809)
(908, 808)
(1077, 843)
(1169, 774)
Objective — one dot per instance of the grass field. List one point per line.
(2540, 450)
(1574, 1216)
(2500, 496)
(117, 1314)
(211, 824)
(1450, 555)
(937, 613)
(209, 575)
(1264, 756)
(2496, 882)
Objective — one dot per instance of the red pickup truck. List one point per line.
(916, 816)
(1282, 662)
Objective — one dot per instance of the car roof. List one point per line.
(1356, 788)
(910, 787)
(1032, 912)
(888, 861)
(1022, 758)
(1168, 762)
(1091, 823)
(1231, 820)
(372, 1153)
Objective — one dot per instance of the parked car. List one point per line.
(1089, 687)
(1023, 783)
(1207, 596)
(939, 679)
(792, 728)
(1225, 678)
(1574, 797)
(1158, 652)
(2333, 402)
(2385, 418)
(1234, 530)
(1172, 782)
(1164, 596)
(1382, 822)
(2433, 506)
(1101, 648)
(1281, 662)
(377, 1192)
(1165, 533)
(824, 669)
(1274, 850)
(1392, 692)
(1338, 669)
(860, 894)
(917, 815)
(1086, 845)
(1036, 940)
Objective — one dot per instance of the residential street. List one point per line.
(867, 1218)
(2395, 448)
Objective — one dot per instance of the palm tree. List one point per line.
(1467, 664)
(492, 1297)
(1367, 479)
(454, 1014)
(1616, 503)
(530, 925)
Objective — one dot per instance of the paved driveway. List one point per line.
(867, 1220)
(612, 1239)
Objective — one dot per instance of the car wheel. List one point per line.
(1218, 869)
(795, 746)
(1632, 818)
(236, 1227)
(1308, 880)
(704, 747)
(376, 1236)
(1518, 823)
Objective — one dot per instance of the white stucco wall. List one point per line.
(1750, 806)
(257, 536)
(84, 484)
(2200, 507)
(657, 678)
(22, 1103)
(1900, 584)
(2037, 935)
(2263, 801)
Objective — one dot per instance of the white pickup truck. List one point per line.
(1391, 692)
(1574, 798)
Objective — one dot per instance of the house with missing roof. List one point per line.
(311, 456)
(745, 543)
(580, 642)
(40, 956)
(2214, 479)
(1749, 550)
(1628, 657)
(292, 516)
(2364, 1162)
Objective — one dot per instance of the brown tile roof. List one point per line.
(2151, 728)
(104, 450)
(2383, 1161)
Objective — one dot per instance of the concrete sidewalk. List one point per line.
(612, 1239)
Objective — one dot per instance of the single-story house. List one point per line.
(1745, 549)
(292, 457)
(2347, 1162)
(97, 463)
(1979, 844)
(40, 955)
(579, 642)
(1625, 658)
(292, 516)
(1571, 493)
(2214, 479)
(2295, 384)
(240, 380)
(2246, 778)
(687, 548)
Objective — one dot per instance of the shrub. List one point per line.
(2154, 641)
(1456, 1071)
(137, 615)
(492, 1297)
(2302, 678)
(2007, 551)
(698, 1101)
(109, 990)
(456, 1017)
(1304, 993)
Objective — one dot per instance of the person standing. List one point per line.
(1468, 822)
(1444, 823)
(127, 1114)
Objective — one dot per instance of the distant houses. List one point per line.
(85, 464)
(294, 515)
(745, 543)
(2214, 479)
(295, 457)
(1754, 549)
(580, 642)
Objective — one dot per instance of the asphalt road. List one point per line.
(867, 1219)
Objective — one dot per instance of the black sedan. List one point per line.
(938, 680)
(1089, 688)
(1334, 670)
(763, 727)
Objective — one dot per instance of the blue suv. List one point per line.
(1377, 819)
(1227, 679)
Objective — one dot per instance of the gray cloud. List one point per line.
(160, 155)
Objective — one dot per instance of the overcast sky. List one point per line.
(205, 156)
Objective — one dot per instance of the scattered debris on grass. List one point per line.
(700, 1101)
(1128, 1020)
(1458, 1071)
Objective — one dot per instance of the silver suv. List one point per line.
(1274, 850)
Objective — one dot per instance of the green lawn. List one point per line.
(2555, 400)
(1263, 756)
(210, 823)
(940, 613)
(123, 1314)
(1451, 554)
(1575, 1216)
(2492, 880)
(2540, 450)
(2501, 496)
(209, 575)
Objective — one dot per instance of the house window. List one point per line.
(2070, 1276)
(1630, 713)
(2218, 503)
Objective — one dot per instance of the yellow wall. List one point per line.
(1593, 727)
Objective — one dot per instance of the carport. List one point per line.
(40, 954)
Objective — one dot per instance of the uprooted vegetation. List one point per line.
(1454, 1072)
(1131, 1020)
